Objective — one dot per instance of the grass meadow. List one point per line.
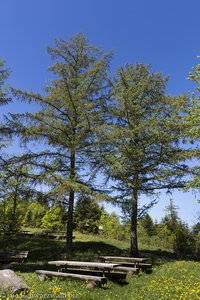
(170, 279)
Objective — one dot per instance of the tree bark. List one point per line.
(134, 211)
(70, 214)
(13, 217)
(10, 281)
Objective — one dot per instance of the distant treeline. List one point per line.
(170, 234)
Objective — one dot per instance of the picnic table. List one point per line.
(96, 265)
(9, 256)
(129, 262)
(82, 270)
(14, 232)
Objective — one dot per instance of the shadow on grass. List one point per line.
(162, 256)
(92, 250)
(42, 250)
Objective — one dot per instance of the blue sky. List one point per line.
(164, 34)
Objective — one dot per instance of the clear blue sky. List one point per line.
(165, 34)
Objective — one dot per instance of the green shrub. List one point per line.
(111, 226)
(54, 219)
(34, 214)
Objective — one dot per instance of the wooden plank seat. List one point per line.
(134, 267)
(108, 274)
(124, 258)
(91, 279)
(138, 265)
(13, 256)
(145, 267)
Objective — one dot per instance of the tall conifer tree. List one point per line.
(70, 113)
(145, 154)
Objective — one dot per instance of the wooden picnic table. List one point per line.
(129, 262)
(9, 256)
(97, 265)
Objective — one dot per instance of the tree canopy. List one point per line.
(71, 111)
(146, 153)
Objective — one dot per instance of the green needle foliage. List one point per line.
(146, 153)
(4, 73)
(70, 114)
(4, 99)
(193, 124)
(87, 215)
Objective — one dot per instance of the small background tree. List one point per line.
(87, 215)
(54, 219)
(34, 214)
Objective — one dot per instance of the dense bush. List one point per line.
(54, 219)
(11, 218)
(34, 214)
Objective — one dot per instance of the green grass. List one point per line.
(170, 279)
(174, 280)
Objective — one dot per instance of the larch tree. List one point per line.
(71, 111)
(145, 152)
(4, 99)
(193, 133)
(4, 131)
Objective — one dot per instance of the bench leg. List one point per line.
(91, 284)
(42, 277)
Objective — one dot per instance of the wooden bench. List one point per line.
(136, 266)
(123, 258)
(13, 256)
(108, 274)
(147, 268)
(92, 280)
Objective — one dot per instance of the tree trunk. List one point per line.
(70, 224)
(13, 215)
(70, 213)
(4, 216)
(134, 210)
(10, 281)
